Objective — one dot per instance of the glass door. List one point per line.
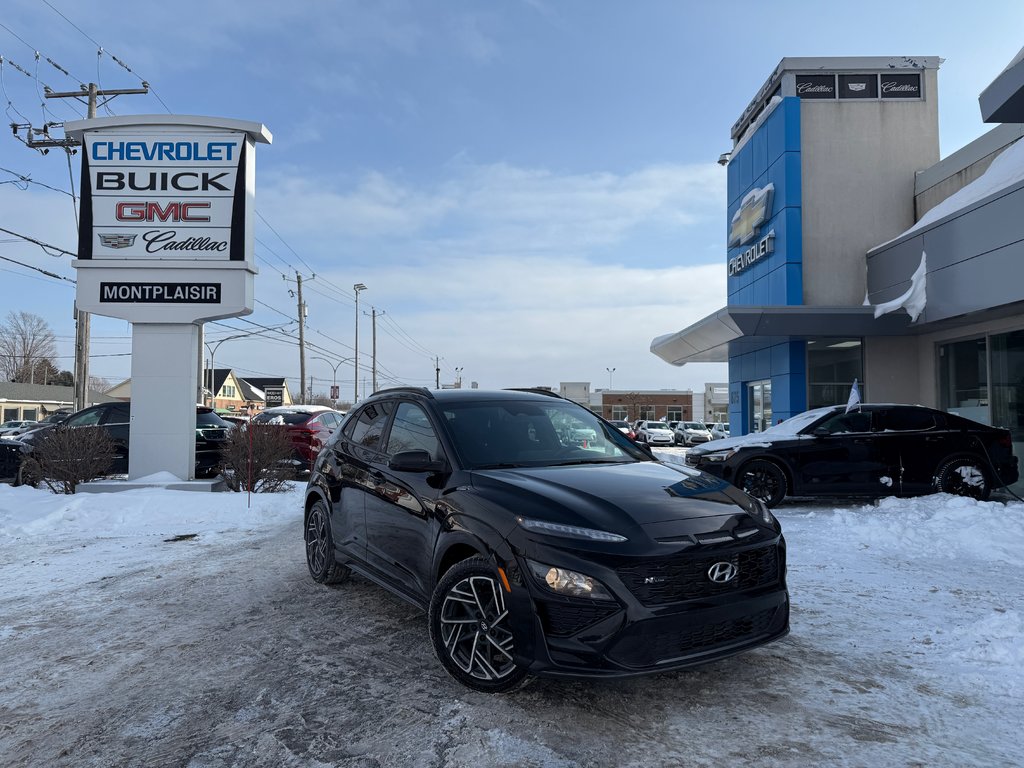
(759, 405)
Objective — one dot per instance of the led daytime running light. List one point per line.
(570, 531)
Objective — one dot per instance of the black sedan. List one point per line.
(875, 450)
(537, 554)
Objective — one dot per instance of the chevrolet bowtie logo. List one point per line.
(754, 211)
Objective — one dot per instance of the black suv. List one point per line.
(115, 418)
(537, 553)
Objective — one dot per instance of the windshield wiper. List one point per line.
(506, 465)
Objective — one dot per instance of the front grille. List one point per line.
(685, 577)
(642, 648)
(566, 619)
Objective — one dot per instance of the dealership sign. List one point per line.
(163, 196)
(166, 230)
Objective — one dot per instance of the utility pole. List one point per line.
(437, 373)
(374, 315)
(302, 341)
(91, 93)
(355, 398)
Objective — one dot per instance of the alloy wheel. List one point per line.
(316, 541)
(474, 628)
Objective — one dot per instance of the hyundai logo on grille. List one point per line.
(723, 572)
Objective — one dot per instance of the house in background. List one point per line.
(28, 402)
(231, 392)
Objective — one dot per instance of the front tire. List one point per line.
(763, 480)
(470, 628)
(964, 476)
(320, 548)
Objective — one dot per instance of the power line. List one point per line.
(40, 243)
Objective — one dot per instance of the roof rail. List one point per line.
(412, 390)
(536, 391)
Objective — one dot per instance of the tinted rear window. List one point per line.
(286, 417)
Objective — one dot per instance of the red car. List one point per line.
(309, 426)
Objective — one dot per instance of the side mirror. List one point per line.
(821, 432)
(415, 461)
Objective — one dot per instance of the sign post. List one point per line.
(166, 242)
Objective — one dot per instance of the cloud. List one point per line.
(498, 209)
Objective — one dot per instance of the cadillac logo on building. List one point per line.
(754, 211)
(117, 241)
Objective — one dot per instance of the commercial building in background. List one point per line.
(654, 404)
(855, 254)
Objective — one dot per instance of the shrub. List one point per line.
(65, 457)
(256, 457)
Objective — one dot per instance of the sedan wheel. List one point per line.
(763, 480)
(470, 628)
(964, 476)
(320, 548)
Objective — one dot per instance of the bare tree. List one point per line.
(27, 348)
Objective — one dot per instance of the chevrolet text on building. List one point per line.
(166, 242)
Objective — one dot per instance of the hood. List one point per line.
(753, 440)
(612, 497)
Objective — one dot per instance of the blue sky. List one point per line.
(528, 189)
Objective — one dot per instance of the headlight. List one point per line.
(569, 531)
(717, 455)
(760, 510)
(569, 583)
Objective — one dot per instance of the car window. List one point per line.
(115, 413)
(330, 420)
(411, 431)
(909, 419)
(85, 418)
(281, 417)
(366, 429)
(842, 423)
(516, 433)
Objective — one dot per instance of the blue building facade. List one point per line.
(767, 376)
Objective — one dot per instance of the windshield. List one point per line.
(515, 433)
(794, 424)
(694, 425)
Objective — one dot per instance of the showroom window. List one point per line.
(983, 379)
(963, 378)
(832, 367)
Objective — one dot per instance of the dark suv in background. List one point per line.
(115, 418)
(536, 552)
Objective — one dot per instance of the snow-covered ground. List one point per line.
(157, 627)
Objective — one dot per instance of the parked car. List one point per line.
(115, 417)
(691, 433)
(309, 427)
(654, 433)
(533, 556)
(624, 427)
(877, 450)
(720, 430)
(16, 427)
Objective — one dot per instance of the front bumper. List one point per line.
(672, 627)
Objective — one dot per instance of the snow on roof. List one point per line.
(1005, 171)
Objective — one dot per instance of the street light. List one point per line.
(458, 378)
(355, 398)
(334, 367)
(610, 372)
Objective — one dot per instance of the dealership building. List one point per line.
(854, 253)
